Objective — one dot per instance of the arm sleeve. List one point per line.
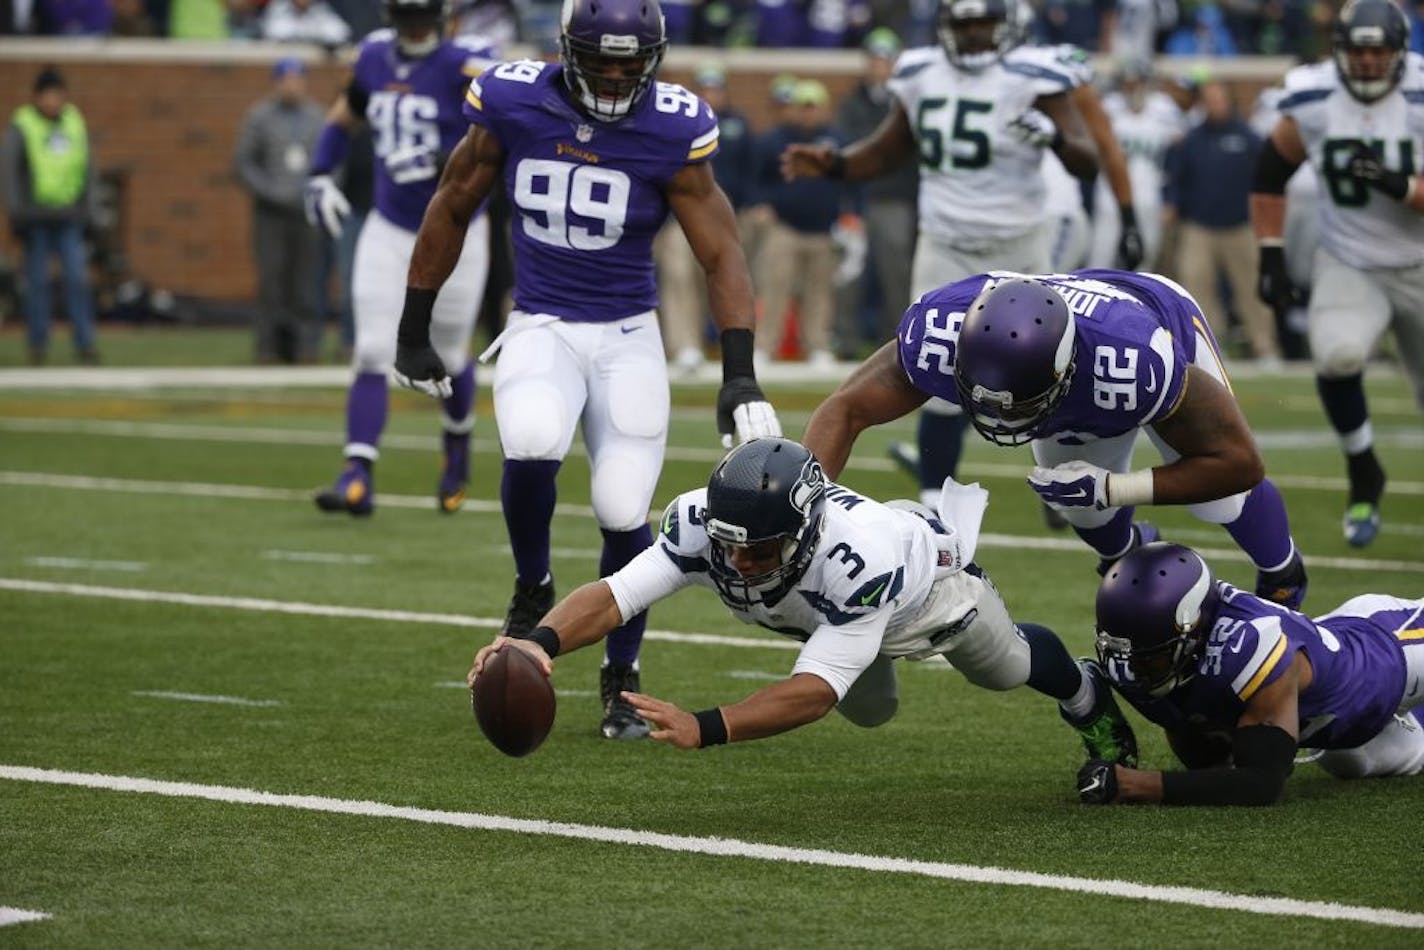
(1264, 757)
(839, 654)
(645, 580)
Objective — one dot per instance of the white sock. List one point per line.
(1081, 703)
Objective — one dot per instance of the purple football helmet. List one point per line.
(1155, 608)
(611, 50)
(1014, 361)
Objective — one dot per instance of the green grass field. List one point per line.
(163, 542)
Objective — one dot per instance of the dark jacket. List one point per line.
(809, 205)
(1209, 174)
(860, 114)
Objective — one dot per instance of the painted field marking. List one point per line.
(1277, 440)
(338, 611)
(14, 915)
(754, 675)
(733, 848)
(205, 698)
(254, 492)
(317, 557)
(80, 563)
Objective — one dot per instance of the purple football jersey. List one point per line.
(415, 103)
(589, 195)
(1136, 336)
(1355, 655)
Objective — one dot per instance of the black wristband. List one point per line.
(837, 168)
(1127, 215)
(415, 318)
(737, 353)
(546, 637)
(712, 726)
(1058, 140)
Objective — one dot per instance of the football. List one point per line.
(514, 702)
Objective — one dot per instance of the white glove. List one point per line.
(1034, 128)
(326, 207)
(412, 163)
(754, 420)
(1071, 485)
(851, 242)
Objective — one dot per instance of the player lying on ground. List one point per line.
(1239, 683)
(859, 582)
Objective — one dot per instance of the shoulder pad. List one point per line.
(1038, 62)
(1307, 84)
(680, 532)
(914, 61)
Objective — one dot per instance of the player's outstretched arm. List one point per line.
(1263, 755)
(470, 174)
(877, 391)
(711, 228)
(1114, 164)
(778, 708)
(1073, 145)
(1219, 454)
(585, 616)
(880, 153)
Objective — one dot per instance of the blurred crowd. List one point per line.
(1127, 29)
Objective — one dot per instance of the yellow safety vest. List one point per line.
(58, 153)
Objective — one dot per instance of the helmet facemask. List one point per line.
(1369, 44)
(975, 34)
(609, 73)
(418, 25)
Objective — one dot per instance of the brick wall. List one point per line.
(171, 126)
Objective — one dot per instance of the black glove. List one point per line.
(420, 368)
(1129, 245)
(1273, 284)
(1097, 782)
(1367, 166)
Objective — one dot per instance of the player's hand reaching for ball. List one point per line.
(528, 646)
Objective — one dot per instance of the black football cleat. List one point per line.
(620, 721)
(352, 492)
(527, 607)
(1286, 586)
(1106, 733)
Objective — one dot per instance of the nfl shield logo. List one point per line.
(583, 133)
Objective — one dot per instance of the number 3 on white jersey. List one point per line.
(551, 190)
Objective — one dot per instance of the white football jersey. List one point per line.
(1359, 225)
(1145, 136)
(979, 182)
(867, 584)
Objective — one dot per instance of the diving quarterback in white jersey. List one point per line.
(409, 85)
(981, 111)
(1360, 122)
(861, 584)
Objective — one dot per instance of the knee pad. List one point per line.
(623, 486)
(1345, 360)
(373, 355)
(870, 715)
(531, 423)
(1222, 511)
(1345, 763)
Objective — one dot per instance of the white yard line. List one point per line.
(317, 557)
(265, 435)
(80, 563)
(258, 493)
(733, 848)
(343, 612)
(754, 675)
(460, 684)
(14, 915)
(205, 698)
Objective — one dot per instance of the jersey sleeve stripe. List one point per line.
(1039, 72)
(702, 141)
(1414, 97)
(1416, 634)
(474, 99)
(1303, 97)
(1277, 650)
(688, 565)
(702, 152)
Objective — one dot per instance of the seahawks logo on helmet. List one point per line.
(1369, 43)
